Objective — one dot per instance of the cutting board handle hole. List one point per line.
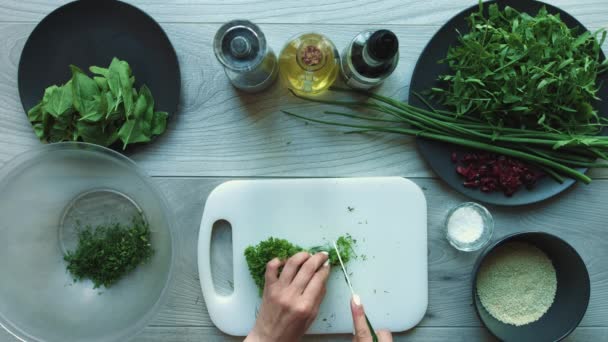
(222, 270)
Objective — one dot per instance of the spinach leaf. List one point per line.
(102, 83)
(39, 130)
(94, 110)
(35, 113)
(95, 134)
(114, 79)
(61, 128)
(103, 72)
(99, 110)
(58, 100)
(159, 123)
(84, 89)
(136, 129)
(121, 83)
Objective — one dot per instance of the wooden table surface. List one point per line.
(221, 134)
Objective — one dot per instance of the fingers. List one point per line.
(309, 270)
(315, 290)
(384, 336)
(292, 266)
(362, 332)
(272, 271)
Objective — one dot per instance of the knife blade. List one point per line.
(350, 285)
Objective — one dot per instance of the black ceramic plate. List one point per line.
(86, 33)
(425, 75)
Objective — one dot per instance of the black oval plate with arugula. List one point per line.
(425, 75)
(91, 33)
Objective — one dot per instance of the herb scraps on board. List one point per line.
(491, 172)
(101, 109)
(517, 283)
(105, 254)
(512, 69)
(259, 255)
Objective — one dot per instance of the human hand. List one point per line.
(291, 301)
(362, 332)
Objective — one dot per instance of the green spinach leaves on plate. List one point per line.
(101, 109)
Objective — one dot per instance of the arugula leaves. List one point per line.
(521, 71)
(101, 109)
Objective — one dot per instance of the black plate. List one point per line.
(86, 33)
(571, 298)
(437, 154)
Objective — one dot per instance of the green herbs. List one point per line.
(345, 246)
(99, 110)
(106, 253)
(556, 154)
(259, 255)
(522, 87)
(515, 70)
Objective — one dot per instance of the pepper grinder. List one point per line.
(250, 65)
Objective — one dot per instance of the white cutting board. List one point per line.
(387, 218)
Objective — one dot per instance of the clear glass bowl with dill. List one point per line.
(469, 227)
(52, 192)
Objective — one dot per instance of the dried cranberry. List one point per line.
(490, 172)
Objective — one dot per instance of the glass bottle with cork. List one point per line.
(309, 63)
(370, 58)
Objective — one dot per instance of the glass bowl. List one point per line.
(486, 232)
(48, 192)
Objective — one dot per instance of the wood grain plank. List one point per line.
(419, 334)
(449, 270)
(366, 12)
(221, 132)
(191, 334)
(422, 334)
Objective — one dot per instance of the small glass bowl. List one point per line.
(487, 230)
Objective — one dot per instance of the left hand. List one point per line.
(291, 301)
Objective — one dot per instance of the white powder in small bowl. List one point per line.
(465, 225)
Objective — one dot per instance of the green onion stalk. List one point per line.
(556, 153)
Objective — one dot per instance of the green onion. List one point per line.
(559, 154)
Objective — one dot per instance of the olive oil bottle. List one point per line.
(309, 63)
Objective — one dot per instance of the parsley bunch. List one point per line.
(259, 255)
(516, 70)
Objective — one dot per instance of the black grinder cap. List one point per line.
(383, 45)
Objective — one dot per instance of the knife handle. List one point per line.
(371, 329)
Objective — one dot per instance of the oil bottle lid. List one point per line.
(383, 45)
(240, 45)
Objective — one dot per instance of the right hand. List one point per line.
(362, 332)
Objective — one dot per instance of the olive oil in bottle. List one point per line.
(309, 63)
